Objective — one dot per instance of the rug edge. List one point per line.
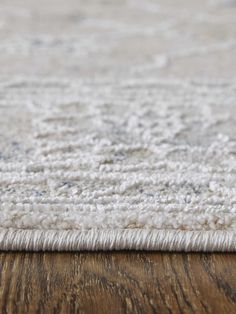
(118, 239)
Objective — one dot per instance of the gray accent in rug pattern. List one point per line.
(118, 125)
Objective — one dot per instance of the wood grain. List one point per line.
(117, 282)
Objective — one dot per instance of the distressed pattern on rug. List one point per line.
(117, 157)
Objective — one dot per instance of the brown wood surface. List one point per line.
(117, 282)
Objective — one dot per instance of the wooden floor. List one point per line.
(117, 282)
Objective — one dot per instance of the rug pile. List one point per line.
(118, 125)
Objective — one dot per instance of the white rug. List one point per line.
(118, 125)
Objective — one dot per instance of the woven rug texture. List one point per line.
(118, 125)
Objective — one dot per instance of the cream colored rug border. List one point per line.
(120, 239)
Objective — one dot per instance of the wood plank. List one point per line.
(117, 282)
